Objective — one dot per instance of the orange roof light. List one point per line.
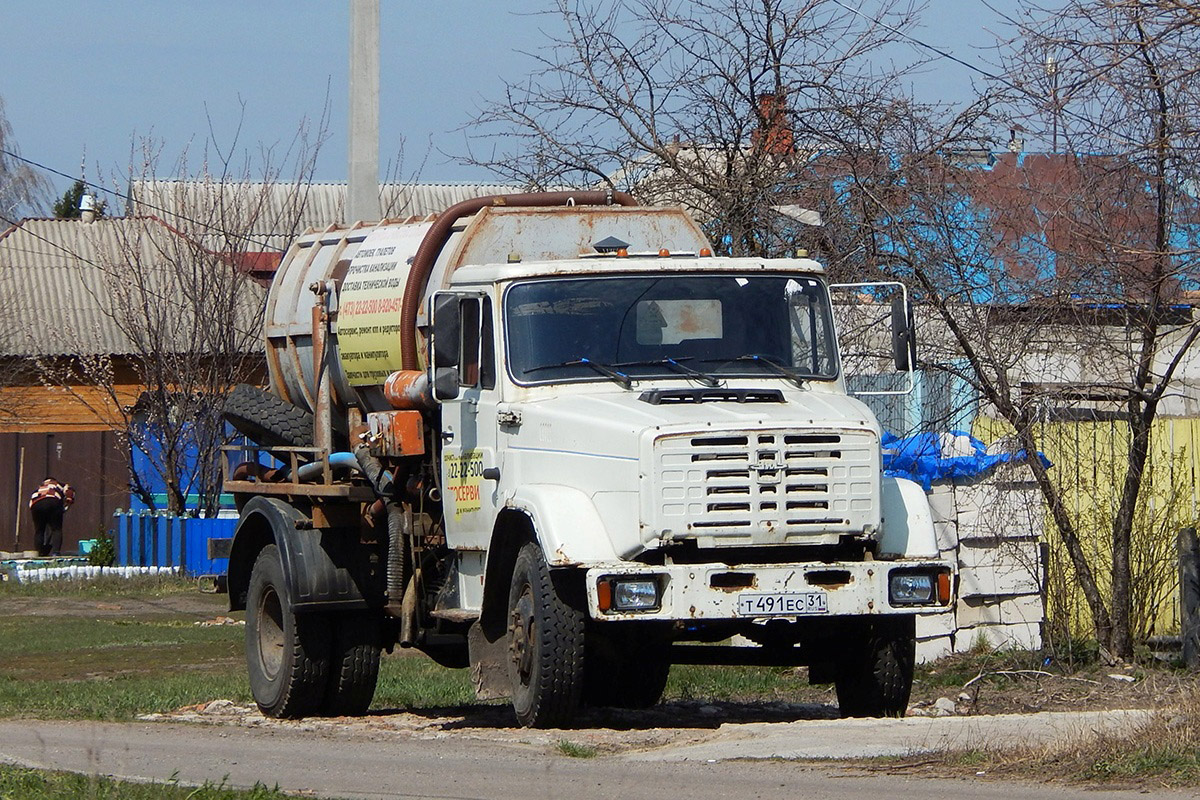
(705, 252)
(622, 253)
(663, 253)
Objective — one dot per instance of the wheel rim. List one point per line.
(523, 637)
(269, 624)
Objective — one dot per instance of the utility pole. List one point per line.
(362, 195)
(1052, 73)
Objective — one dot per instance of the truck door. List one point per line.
(469, 460)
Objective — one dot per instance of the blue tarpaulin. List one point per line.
(953, 456)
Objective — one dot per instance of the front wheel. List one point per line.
(287, 655)
(876, 671)
(545, 643)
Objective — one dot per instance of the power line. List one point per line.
(985, 73)
(25, 229)
(931, 48)
(126, 197)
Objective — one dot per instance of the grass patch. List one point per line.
(32, 784)
(574, 749)
(741, 684)
(1163, 752)
(413, 681)
(115, 668)
(118, 668)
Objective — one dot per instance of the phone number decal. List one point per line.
(464, 474)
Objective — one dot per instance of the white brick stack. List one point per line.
(992, 528)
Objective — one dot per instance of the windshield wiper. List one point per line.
(674, 363)
(771, 363)
(604, 369)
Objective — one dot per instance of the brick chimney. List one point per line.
(775, 131)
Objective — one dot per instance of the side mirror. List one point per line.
(446, 331)
(445, 383)
(904, 340)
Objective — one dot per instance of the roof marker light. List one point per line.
(705, 252)
(622, 253)
(663, 253)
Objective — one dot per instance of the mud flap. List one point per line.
(489, 664)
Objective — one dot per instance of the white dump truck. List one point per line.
(553, 438)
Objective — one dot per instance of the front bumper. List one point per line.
(712, 591)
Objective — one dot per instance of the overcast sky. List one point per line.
(91, 77)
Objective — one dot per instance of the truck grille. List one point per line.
(783, 487)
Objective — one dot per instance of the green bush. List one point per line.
(104, 552)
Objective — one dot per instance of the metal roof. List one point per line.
(271, 215)
(75, 288)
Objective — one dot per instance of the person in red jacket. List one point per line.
(47, 506)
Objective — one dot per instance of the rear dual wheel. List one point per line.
(287, 654)
(304, 664)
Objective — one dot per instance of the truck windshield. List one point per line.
(743, 325)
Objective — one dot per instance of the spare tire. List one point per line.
(266, 419)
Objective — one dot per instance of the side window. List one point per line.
(477, 349)
(468, 351)
(487, 348)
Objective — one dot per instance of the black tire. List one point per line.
(876, 671)
(545, 644)
(354, 665)
(266, 419)
(626, 668)
(287, 655)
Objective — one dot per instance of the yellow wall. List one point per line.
(1089, 468)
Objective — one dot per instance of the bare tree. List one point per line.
(22, 192)
(22, 189)
(716, 105)
(175, 285)
(1124, 82)
(1056, 281)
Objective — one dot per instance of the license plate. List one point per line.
(784, 604)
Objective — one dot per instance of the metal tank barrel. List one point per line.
(317, 259)
(382, 275)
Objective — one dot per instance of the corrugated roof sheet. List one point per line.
(76, 288)
(271, 215)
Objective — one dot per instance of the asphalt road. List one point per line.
(349, 763)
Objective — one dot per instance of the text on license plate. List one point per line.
(785, 604)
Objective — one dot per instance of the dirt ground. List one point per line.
(196, 604)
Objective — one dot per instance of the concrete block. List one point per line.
(974, 611)
(946, 534)
(942, 503)
(987, 581)
(1026, 609)
(989, 510)
(1007, 553)
(933, 649)
(933, 625)
(1026, 636)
